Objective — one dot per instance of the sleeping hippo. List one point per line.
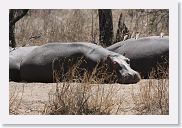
(144, 53)
(16, 55)
(41, 64)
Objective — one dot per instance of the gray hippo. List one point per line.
(16, 55)
(39, 65)
(144, 53)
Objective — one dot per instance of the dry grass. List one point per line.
(15, 100)
(81, 99)
(148, 97)
(57, 26)
(88, 96)
(76, 70)
(67, 25)
(153, 98)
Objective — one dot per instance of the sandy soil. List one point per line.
(32, 98)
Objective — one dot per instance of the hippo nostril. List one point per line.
(137, 77)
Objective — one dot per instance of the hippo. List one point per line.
(144, 53)
(16, 55)
(43, 61)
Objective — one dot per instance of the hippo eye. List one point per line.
(128, 62)
(120, 67)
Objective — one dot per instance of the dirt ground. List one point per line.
(145, 97)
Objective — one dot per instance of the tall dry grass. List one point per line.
(81, 95)
(81, 99)
(154, 95)
(149, 97)
(15, 100)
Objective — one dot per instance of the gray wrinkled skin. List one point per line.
(16, 55)
(144, 53)
(37, 66)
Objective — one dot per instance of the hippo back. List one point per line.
(144, 53)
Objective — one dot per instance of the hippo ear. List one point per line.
(109, 58)
(112, 62)
(115, 64)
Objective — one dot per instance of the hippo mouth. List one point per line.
(130, 79)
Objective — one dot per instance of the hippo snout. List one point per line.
(130, 78)
(136, 77)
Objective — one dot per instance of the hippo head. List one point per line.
(121, 65)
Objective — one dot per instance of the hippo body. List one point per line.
(144, 53)
(39, 65)
(16, 55)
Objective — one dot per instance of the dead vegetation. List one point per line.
(65, 25)
(148, 97)
(90, 97)
(86, 98)
(15, 100)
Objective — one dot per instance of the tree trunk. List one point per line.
(106, 27)
(14, 16)
(122, 31)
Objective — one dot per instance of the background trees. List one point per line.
(105, 27)
(86, 25)
(14, 16)
(122, 30)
